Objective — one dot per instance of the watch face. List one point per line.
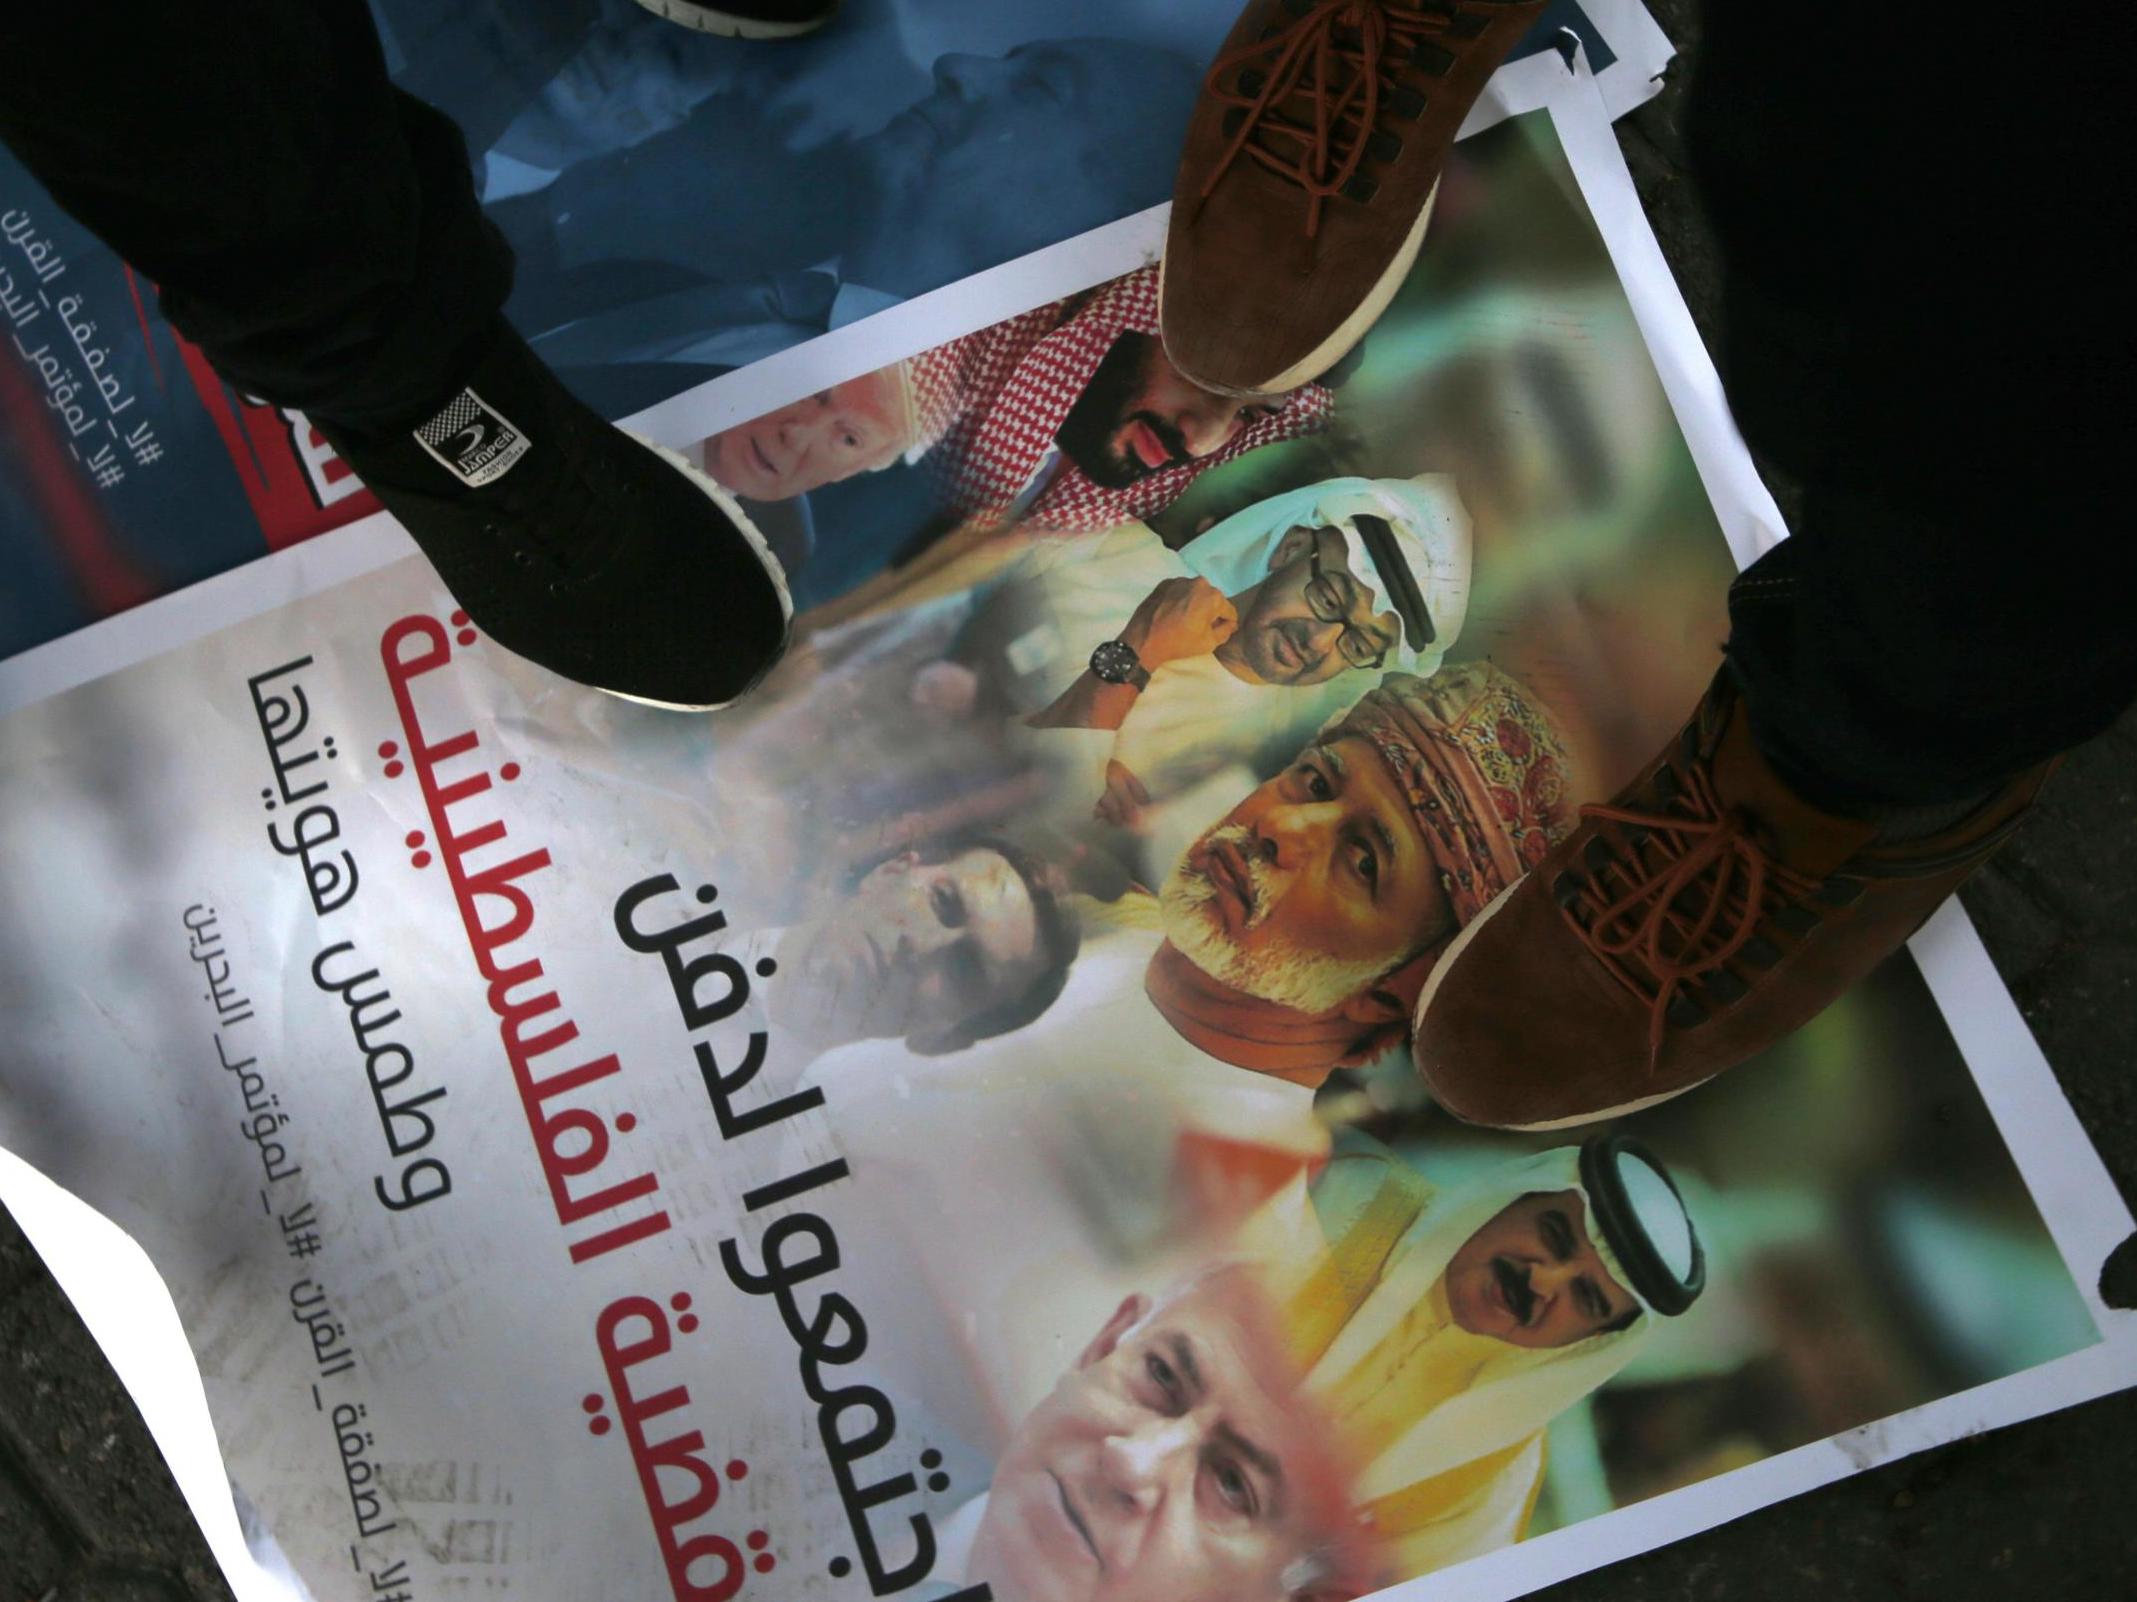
(1116, 662)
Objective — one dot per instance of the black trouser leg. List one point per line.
(315, 231)
(1918, 229)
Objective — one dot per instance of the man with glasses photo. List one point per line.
(1246, 639)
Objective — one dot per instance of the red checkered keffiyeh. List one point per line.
(987, 407)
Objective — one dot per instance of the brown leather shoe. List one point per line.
(1308, 177)
(1692, 922)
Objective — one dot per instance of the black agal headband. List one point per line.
(1637, 1206)
(1382, 545)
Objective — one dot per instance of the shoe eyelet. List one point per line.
(1838, 891)
(1251, 81)
(1407, 102)
(1722, 987)
(1431, 57)
(1383, 146)
(1568, 889)
(1759, 952)
(1598, 855)
(1361, 188)
(1684, 1012)
(1798, 921)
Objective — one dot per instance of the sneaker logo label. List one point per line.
(472, 440)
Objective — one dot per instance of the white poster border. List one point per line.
(1642, 50)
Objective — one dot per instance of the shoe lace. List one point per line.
(554, 533)
(1688, 899)
(1309, 103)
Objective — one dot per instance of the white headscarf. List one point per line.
(1428, 523)
(1519, 1390)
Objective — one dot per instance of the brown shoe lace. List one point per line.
(1696, 885)
(1312, 112)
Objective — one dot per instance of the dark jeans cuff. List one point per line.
(1819, 691)
(377, 347)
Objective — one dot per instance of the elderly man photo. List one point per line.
(1248, 638)
(857, 426)
(939, 948)
(1300, 928)
(1357, 1397)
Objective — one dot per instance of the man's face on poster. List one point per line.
(853, 427)
(1312, 617)
(1313, 887)
(1139, 415)
(1532, 1276)
(1176, 1462)
(916, 952)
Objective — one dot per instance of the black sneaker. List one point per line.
(591, 553)
(747, 19)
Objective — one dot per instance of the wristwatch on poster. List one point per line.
(1116, 663)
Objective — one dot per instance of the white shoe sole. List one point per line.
(1453, 954)
(1352, 329)
(728, 26)
(1438, 976)
(732, 511)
